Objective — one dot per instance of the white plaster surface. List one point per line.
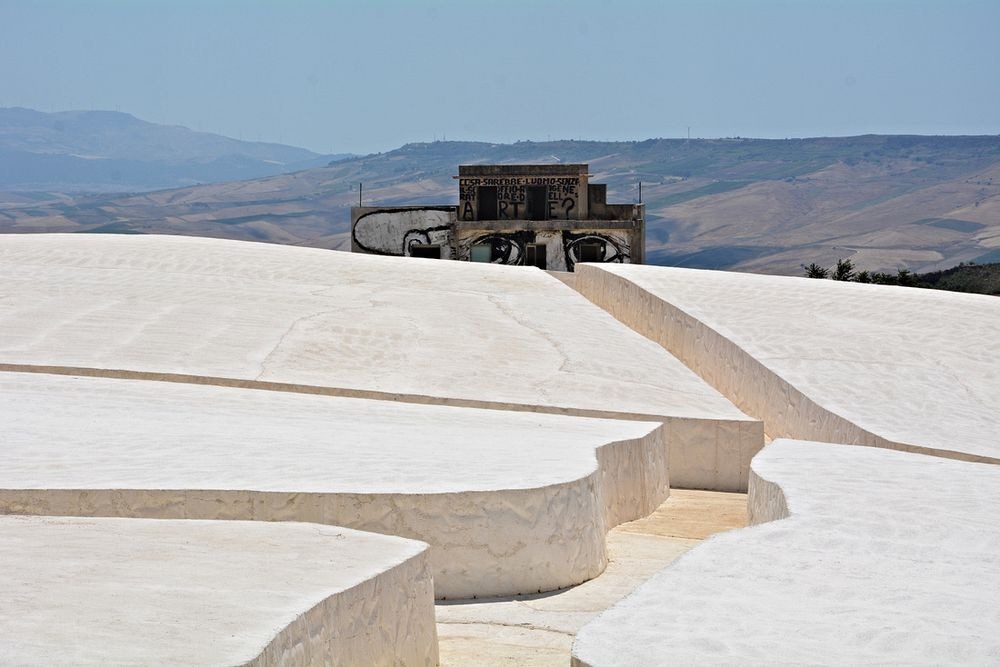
(131, 591)
(883, 557)
(212, 311)
(207, 307)
(895, 367)
(511, 502)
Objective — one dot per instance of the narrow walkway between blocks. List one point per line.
(539, 629)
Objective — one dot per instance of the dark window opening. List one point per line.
(486, 196)
(482, 252)
(536, 202)
(591, 252)
(534, 255)
(426, 251)
(597, 193)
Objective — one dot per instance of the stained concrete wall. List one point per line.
(566, 190)
(620, 244)
(394, 231)
(562, 223)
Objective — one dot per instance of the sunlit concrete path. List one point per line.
(539, 630)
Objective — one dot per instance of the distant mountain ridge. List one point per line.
(100, 151)
(769, 206)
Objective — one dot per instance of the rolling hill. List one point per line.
(107, 151)
(769, 206)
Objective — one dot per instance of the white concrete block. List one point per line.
(511, 502)
(79, 591)
(859, 556)
(306, 320)
(894, 367)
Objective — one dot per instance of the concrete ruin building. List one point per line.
(549, 216)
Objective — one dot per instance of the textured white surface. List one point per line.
(132, 591)
(511, 502)
(403, 329)
(884, 558)
(823, 360)
(226, 308)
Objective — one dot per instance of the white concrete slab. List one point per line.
(226, 312)
(511, 502)
(131, 591)
(883, 557)
(895, 367)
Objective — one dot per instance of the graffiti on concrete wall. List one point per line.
(395, 232)
(562, 196)
(564, 249)
(607, 247)
(505, 247)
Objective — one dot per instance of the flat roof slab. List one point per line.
(510, 501)
(899, 367)
(132, 591)
(308, 320)
(860, 556)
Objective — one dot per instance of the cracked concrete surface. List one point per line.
(214, 308)
(538, 630)
(510, 502)
(208, 311)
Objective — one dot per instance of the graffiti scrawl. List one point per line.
(610, 248)
(395, 232)
(505, 247)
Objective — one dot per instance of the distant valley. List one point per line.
(769, 206)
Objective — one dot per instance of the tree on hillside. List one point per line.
(966, 277)
(905, 278)
(814, 270)
(844, 270)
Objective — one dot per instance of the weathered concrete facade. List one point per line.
(548, 216)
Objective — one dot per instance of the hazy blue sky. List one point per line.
(370, 76)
